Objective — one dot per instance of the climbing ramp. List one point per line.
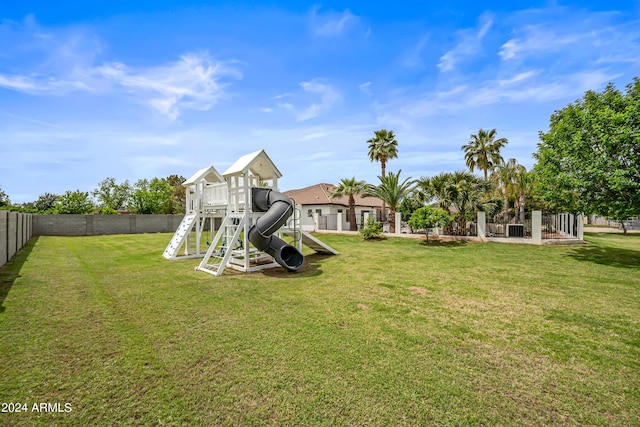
(181, 234)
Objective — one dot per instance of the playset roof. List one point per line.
(208, 174)
(258, 163)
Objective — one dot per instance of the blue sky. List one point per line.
(140, 89)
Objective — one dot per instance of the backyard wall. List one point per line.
(92, 225)
(15, 230)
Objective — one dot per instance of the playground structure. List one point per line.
(249, 216)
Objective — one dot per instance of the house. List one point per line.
(316, 199)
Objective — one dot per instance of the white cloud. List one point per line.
(468, 45)
(538, 39)
(61, 61)
(331, 24)
(529, 86)
(412, 58)
(313, 90)
(365, 88)
(193, 82)
(314, 135)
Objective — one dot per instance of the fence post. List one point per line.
(339, 219)
(580, 219)
(316, 221)
(398, 223)
(4, 237)
(536, 227)
(482, 225)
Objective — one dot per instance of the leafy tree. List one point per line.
(4, 198)
(483, 151)
(152, 197)
(178, 192)
(112, 195)
(74, 202)
(409, 204)
(350, 187)
(46, 202)
(382, 147)
(589, 159)
(428, 217)
(391, 191)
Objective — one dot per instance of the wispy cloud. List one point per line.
(365, 88)
(331, 24)
(312, 90)
(468, 44)
(530, 86)
(311, 136)
(30, 120)
(413, 56)
(194, 82)
(67, 62)
(538, 39)
(571, 38)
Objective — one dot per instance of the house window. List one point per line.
(319, 211)
(309, 212)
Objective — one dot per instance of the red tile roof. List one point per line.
(319, 194)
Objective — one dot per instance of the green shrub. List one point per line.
(371, 229)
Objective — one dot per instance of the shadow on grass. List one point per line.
(11, 270)
(614, 257)
(310, 268)
(443, 243)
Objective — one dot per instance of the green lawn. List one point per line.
(388, 333)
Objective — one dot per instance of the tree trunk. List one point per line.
(392, 221)
(624, 227)
(505, 211)
(353, 226)
(383, 166)
(521, 203)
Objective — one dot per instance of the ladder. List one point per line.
(182, 233)
(215, 261)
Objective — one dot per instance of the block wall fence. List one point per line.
(17, 228)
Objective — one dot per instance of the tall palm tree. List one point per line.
(391, 191)
(382, 147)
(350, 187)
(483, 151)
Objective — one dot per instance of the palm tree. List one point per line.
(382, 147)
(504, 178)
(437, 190)
(460, 190)
(350, 187)
(524, 184)
(483, 151)
(391, 191)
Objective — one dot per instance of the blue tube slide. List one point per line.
(278, 208)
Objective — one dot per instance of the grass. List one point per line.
(391, 332)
